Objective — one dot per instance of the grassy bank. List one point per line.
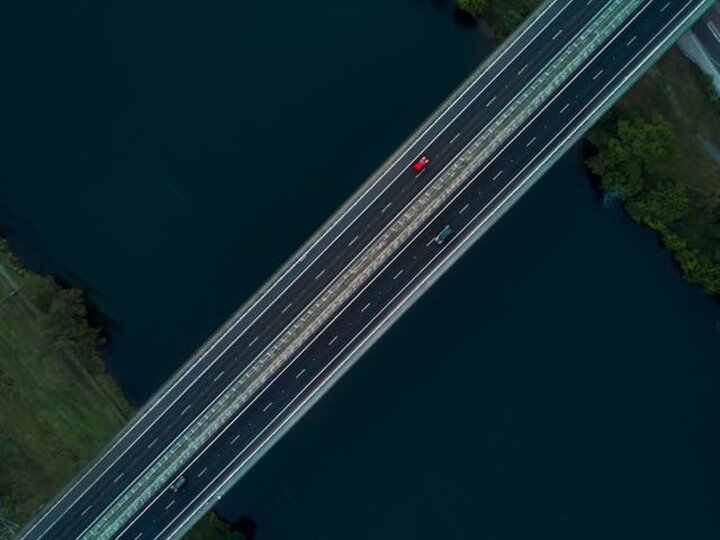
(58, 406)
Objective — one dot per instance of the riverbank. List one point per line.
(58, 405)
(657, 151)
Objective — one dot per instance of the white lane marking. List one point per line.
(89, 506)
(598, 74)
(202, 472)
(463, 208)
(490, 102)
(398, 274)
(267, 407)
(498, 175)
(138, 536)
(118, 477)
(163, 392)
(332, 340)
(253, 341)
(286, 308)
(522, 69)
(632, 40)
(235, 439)
(455, 138)
(530, 142)
(219, 375)
(152, 443)
(353, 240)
(557, 34)
(664, 7)
(300, 373)
(170, 504)
(388, 205)
(156, 400)
(186, 409)
(320, 274)
(565, 108)
(365, 307)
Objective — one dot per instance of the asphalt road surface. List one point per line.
(377, 204)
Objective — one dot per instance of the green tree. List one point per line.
(475, 8)
(700, 268)
(632, 150)
(659, 206)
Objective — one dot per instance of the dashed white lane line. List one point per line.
(167, 507)
(253, 341)
(235, 438)
(455, 138)
(498, 175)
(86, 510)
(267, 406)
(398, 274)
(353, 241)
(186, 409)
(202, 472)
(565, 108)
(490, 102)
(218, 376)
(286, 308)
(118, 477)
(388, 205)
(632, 40)
(333, 340)
(152, 443)
(463, 208)
(300, 373)
(320, 274)
(364, 308)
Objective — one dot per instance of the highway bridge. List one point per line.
(486, 145)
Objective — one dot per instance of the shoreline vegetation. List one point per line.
(58, 404)
(656, 152)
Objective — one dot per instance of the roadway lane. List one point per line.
(477, 110)
(414, 264)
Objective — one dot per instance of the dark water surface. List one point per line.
(560, 382)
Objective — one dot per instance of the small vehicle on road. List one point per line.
(421, 163)
(178, 484)
(444, 235)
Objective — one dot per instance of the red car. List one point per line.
(420, 164)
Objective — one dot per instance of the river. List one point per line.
(559, 382)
